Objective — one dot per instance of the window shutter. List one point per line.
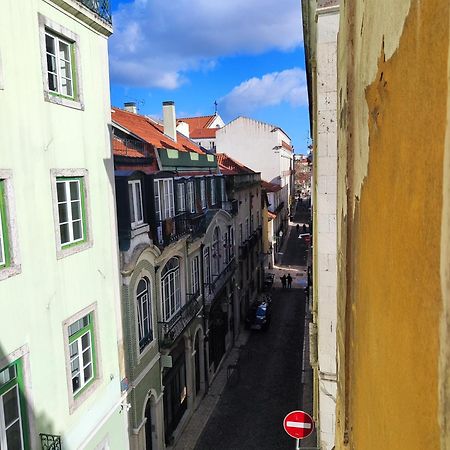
(123, 213)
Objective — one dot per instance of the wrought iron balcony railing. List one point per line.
(231, 206)
(211, 289)
(100, 7)
(171, 329)
(173, 228)
(50, 442)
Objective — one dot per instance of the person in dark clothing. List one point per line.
(298, 229)
(289, 280)
(304, 228)
(283, 281)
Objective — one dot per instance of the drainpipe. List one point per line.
(202, 284)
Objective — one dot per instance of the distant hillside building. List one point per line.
(302, 177)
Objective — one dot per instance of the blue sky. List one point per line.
(246, 55)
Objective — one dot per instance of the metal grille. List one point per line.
(100, 7)
(50, 442)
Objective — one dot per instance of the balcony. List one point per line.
(244, 181)
(170, 230)
(220, 280)
(100, 7)
(231, 206)
(173, 228)
(170, 330)
(243, 250)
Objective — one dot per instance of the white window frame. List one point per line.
(142, 297)
(216, 250)
(203, 193)
(137, 204)
(3, 427)
(223, 192)
(191, 196)
(14, 266)
(195, 274)
(164, 198)
(83, 361)
(67, 250)
(68, 202)
(2, 239)
(75, 400)
(213, 190)
(171, 291)
(206, 266)
(58, 41)
(181, 197)
(54, 29)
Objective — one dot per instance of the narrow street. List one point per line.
(267, 384)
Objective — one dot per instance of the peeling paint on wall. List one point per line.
(393, 87)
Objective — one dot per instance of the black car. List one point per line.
(258, 316)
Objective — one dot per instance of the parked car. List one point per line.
(258, 316)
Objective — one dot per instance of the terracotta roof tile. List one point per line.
(151, 132)
(286, 146)
(196, 123)
(230, 166)
(270, 187)
(200, 133)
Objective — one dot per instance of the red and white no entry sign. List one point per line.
(298, 424)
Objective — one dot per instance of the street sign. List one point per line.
(298, 424)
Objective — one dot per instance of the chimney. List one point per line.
(169, 119)
(130, 107)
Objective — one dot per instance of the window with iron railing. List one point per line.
(100, 7)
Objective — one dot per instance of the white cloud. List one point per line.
(155, 42)
(288, 86)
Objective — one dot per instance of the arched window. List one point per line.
(144, 310)
(216, 251)
(170, 288)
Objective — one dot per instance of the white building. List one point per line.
(60, 366)
(321, 24)
(261, 146)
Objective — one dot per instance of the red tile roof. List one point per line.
(270, 187)
(151, 131)
(196, 123)
(203, 133)
(121, 149)
(230, 166)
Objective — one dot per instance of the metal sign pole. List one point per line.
(297, 447)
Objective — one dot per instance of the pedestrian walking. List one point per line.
(283, 281)
(289, 280)
(304, 228)
(298, 229)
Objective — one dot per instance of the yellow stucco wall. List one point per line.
(393, 79)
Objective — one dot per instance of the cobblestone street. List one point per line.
(267, 383)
